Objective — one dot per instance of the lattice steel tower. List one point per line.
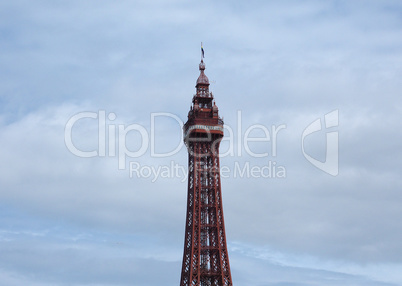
(205, 258)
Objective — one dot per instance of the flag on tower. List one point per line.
(202, 51)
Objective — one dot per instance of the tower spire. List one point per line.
(202, 53)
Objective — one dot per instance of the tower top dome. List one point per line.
(202, 79)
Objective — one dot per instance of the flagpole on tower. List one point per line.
(202, 52)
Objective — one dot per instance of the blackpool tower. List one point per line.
(205, 258)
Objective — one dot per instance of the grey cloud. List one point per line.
(279, 63)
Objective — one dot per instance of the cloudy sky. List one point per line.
(69, 70)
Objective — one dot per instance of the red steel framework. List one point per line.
(205, 258)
